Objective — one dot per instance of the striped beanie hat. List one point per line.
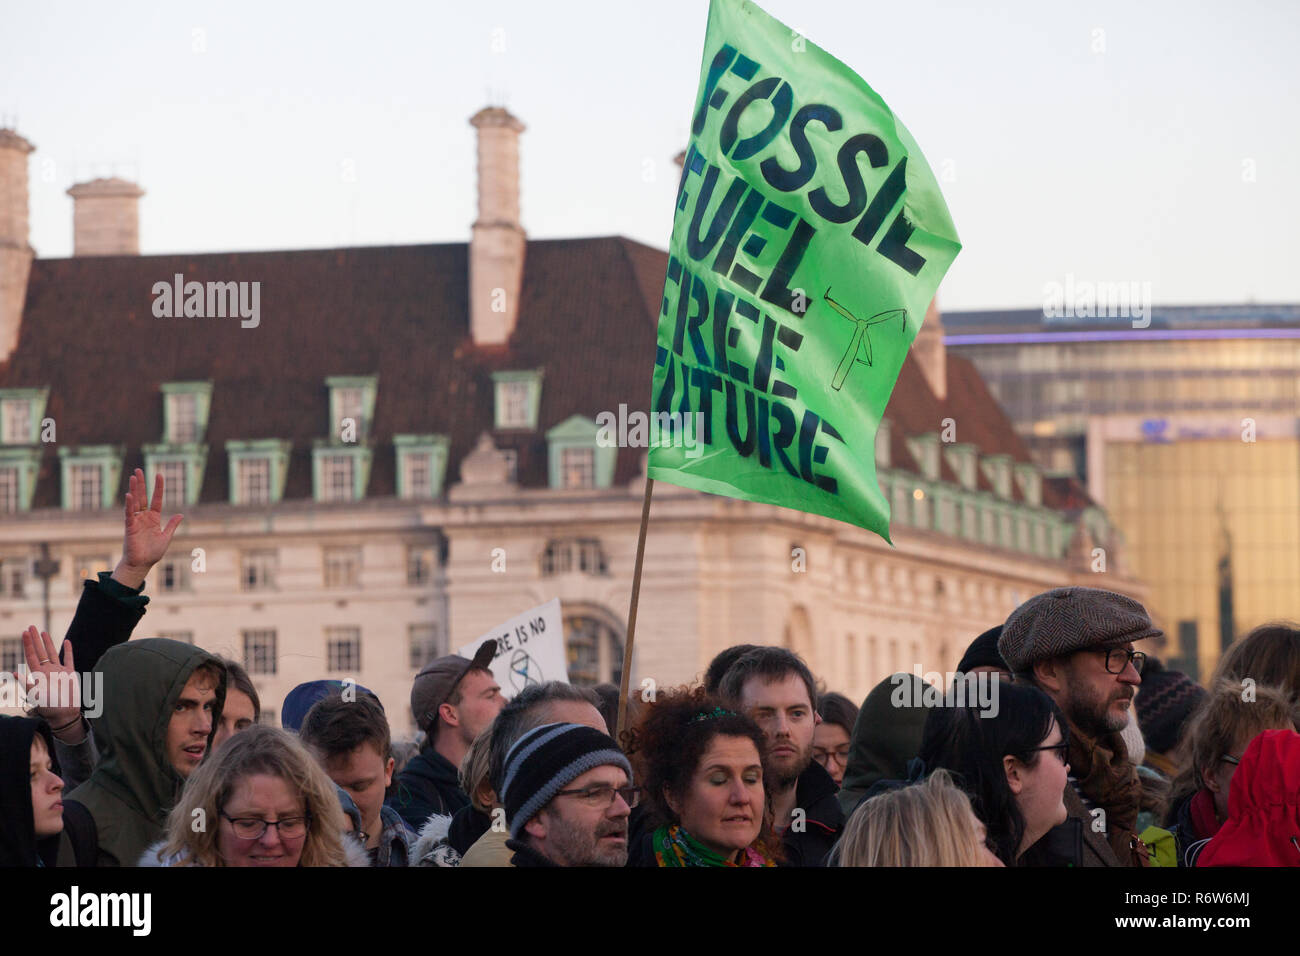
(546, 760)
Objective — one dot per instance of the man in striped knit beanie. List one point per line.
(567, 797)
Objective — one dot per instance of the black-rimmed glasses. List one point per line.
(1062, 750)
(1118, 658)
(252, 828)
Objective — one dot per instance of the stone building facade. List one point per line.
(400, 452)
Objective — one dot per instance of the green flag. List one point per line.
(808, 239)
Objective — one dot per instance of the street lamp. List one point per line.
(45, 568)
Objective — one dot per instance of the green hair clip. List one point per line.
(710, 714)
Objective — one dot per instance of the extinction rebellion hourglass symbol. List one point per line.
(859, 349)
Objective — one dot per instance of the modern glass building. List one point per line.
(1186, 430)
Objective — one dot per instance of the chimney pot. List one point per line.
(106, 218)
(16, 252)
(930, 353)
(497, 241)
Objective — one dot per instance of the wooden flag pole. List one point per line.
(631, 613)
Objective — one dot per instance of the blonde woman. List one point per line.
(930, 823)
(258, 801)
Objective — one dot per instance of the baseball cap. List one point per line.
(438, 678)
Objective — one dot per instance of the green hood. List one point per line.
(134, 785)
(884, 739)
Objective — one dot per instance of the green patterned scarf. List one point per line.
(675, 847)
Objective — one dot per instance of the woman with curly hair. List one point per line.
(701, 767)
(260, 800)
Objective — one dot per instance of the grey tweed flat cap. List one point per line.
(1064, 620)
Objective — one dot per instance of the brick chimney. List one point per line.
(929, 351)
(106, 218)
(16, 253)
(496, 248)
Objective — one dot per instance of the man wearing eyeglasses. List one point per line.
(1076, 644)
(567, 797)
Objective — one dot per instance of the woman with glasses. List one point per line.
(1011, 758)
(1217, 736)
(701, 768)
(832, 736)
(258, 801)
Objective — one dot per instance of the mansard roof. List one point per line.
(587, 318)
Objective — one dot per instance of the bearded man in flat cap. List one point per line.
(1076, 645)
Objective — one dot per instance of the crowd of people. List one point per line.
(1085, 754)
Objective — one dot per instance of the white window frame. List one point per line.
(18, 411)
(341, 642)
(261, 653)
(182, 418)
(342, 567)
(78, 473)
(246, 474)
(264, 563)
(332, 468)
(574, 463)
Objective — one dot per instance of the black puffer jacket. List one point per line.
(821, 823)
(428, 784)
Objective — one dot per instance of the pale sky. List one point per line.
(1113, 141)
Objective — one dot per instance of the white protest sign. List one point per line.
(530, 648)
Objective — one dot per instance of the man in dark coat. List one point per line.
(776, 690)
(453, 700)
(1076, 645)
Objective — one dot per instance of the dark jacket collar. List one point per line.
(526, 855)
(467, 825)
(815, 793)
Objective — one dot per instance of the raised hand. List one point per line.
(56, 689)
(145, 540)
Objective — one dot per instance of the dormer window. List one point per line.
(180, 457)
(421, 465)
(997, 468)
(17, 421)
(337, 479)
(90, 476)
(174, 484)
(182, 418)
(962, 458)
(578, 468)
(1030, 480)
(883, 456)
(576, 459)
(352, 407)
(185, 412)
(518, 396)
(20, 414)
(257, 470)
(925, 449)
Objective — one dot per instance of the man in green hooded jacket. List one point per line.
(162, 699)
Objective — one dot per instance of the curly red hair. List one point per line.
(669, 740)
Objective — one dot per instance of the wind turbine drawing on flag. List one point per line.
(859, 349)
